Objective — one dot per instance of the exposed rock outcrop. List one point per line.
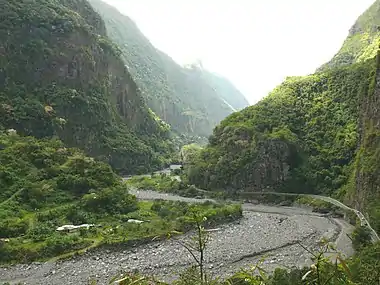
(57, 54)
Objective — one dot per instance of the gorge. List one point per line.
(86, 99)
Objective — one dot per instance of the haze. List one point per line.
(255, 44)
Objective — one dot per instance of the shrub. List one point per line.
(111, 200)
(13, 228)
(361, 237)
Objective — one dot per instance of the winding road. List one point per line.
(361, 217)
(363, 221)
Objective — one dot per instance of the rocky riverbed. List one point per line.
(273, 232)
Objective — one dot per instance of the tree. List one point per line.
(196, 247)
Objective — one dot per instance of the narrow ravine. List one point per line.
(273, 232)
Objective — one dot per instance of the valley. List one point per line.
(283, 192)
(268, 232)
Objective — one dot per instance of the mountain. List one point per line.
(315, 134)
(60, 76)
(226, 90)
(191, 100)
(362, 42)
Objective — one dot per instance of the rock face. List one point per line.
(269, 170)
(63, 77)
(365, 193)
(272, 168)
(318, 133)
(190, 99)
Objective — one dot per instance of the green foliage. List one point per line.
(13, 227)
(365, 265)
(190, 99)
(189, 152)
(365, 192)
(363, 40)
(63, 77)
(114, 200)
(184, 213)
(318, 205)
(160, 183)
(42, 183)
(302, 137)
(313, 134)
(45, 185)
(361, 237)
(167, 184)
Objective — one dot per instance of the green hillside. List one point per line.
(312, 134)
(190, 99)
(62, 77)
(44, 185)
(362, 42)
(77, 108)
(226, 90)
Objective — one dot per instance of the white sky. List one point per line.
(255, 44)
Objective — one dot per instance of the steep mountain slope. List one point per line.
(189, 99)
(226, 90)
(316, 134)
(362, 42)
(61, 76)
(363, 191)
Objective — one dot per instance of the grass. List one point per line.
(156, 182)
(169, 184)
(42, 242)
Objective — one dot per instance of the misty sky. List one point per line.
(255, 44)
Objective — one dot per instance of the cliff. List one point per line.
(362, 42)
(61, 76)
(312, 134)
(300, 137)
(364, 190)
(191, 100)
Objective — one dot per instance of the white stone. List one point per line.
(135, 221)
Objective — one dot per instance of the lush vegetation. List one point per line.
(176, 183)
(189, 152)
(190, 99)
(362, 42)
(312, 134)
(307, 123)
(166, 184)
(61, 76)
(156, 182)
(45, 185)
(66, 93)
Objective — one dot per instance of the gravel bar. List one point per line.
(264, 231)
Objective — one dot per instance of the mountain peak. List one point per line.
(363, 40)
(189, 98)
(369, 21)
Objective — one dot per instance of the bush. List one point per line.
(41, 231)
(361, 237)
(110, 200)
(13, 227)
(78, 216)
(58, 244)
